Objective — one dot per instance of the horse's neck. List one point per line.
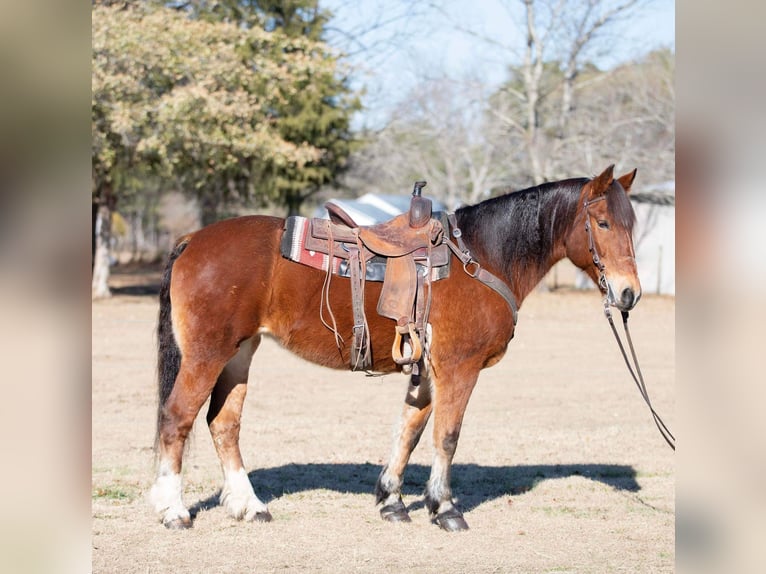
(519, 239)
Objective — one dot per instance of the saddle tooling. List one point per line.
(407, 254)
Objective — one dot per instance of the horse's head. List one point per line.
(601, 241)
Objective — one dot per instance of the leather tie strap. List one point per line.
(475, 270)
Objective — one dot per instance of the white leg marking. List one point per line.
(165, 496)
(439, 484)
(239, 497)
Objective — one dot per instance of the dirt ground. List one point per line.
(559, 466)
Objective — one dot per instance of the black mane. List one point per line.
(520, 229)
(520, 226)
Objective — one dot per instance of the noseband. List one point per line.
(609, 297)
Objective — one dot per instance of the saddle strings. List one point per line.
(325, 295)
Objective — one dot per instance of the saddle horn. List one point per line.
(420, 207)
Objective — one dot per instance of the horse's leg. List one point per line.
(451, 394)
(388, 490)
(192, 387)
(223, 419)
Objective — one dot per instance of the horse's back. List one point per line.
(231, 283)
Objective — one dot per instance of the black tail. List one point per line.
(168, 353)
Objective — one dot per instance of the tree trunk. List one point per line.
(103, 237)
(208, 211)
(94, 220)
(138, 238)
(567, 97)
(293, 202)
(533, 72)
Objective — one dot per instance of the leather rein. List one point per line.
(609, 297)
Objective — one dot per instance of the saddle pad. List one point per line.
(293, 243)
(300, 245)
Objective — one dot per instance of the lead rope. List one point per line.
(604, 286)
(639, 380)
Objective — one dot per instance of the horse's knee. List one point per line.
(221, 430)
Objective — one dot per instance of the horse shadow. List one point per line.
(473, 484)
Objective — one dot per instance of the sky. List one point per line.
(460, 39)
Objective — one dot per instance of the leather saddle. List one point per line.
(411, 244)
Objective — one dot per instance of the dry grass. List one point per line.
(559, 466)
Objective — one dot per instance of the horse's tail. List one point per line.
(168, 352)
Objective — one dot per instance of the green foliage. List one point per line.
(228, 111)
(319, 112)
(295, 18)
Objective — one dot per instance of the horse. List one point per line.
(226, 286)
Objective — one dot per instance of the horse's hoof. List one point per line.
(395, 512)
(264, 516)
(451, 521)
(178, 523)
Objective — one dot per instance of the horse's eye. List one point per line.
(603, 224)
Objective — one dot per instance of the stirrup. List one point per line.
(417, 346)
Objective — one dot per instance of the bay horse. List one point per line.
(226, 286)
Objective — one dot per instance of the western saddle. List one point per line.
(405, 245)
(409, 252)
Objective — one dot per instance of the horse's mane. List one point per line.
(521, 228)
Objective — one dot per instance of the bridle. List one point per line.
(603, 284)
(608, 300)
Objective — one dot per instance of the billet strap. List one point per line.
(474, 269)
(361, 357)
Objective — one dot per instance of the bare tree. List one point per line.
(558, 37)
(441, 133)
(625, 115)
(556, 112)
(389, 29)
(583, 23)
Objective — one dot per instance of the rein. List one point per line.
(608, 297)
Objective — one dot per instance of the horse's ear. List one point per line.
(602, 182)
(627, 180)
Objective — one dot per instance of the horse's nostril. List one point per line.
(627, 297)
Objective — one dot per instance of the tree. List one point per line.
(556, 112)
(561, 33)
(441, 132)
(320, 110)
(448, 134)
(197, 103)
(624, 115)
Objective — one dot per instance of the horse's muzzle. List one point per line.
(628, 299)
